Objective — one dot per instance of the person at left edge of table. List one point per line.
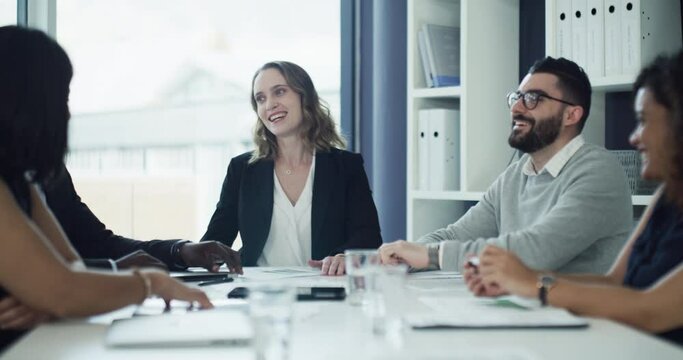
(38, 265)
(101, 248)
(298, 199)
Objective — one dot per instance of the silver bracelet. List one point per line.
(146, 281)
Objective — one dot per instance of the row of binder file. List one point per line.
(616, 37)
(438, 148)
(439, 48)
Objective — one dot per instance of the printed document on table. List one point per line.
(279, 272)
(468, 312)
(290, 270)
(470, 353)
(436, 274)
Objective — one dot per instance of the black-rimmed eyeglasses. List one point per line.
(530, 98)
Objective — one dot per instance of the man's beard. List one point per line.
(540, 134)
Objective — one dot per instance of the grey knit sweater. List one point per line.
(576, 222)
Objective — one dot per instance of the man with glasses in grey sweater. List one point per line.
(564, 205)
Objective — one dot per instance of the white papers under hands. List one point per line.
(467, 353)
(434, 274)
(512, 301)
(491, 314)
(279, 272)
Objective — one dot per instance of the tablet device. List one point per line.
(195, 276)
(219, 280)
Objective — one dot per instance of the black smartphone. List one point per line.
(194, 276)
(302, 293)
(320, 293)
(238, 293)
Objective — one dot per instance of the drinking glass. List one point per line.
(270, 309)
(389, 301)
(361, 266)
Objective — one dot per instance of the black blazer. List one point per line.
(343, 214)
(89, 236)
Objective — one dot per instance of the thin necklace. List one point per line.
(290, 171)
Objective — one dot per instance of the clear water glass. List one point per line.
(389, 301)
(270, 309)
(361, 266)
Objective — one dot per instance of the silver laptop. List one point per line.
(199, 328)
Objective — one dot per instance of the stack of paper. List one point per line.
(463, 313)
(437, 274)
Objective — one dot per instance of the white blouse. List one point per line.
(289, 240)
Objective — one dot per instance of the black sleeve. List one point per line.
(224, 221)
(362, 222)
(88, 234)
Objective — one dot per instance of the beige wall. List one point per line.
(150, 207)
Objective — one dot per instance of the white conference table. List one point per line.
(338, 330)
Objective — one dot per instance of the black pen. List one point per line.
(216, 281)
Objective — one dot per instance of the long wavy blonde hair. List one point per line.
(318, 130)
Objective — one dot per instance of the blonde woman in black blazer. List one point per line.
(294, 132)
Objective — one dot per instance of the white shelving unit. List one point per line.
(613, 83)
(447, 92)
(489, 48)
(667, 39)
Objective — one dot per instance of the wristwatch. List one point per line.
(546, 282)
(433, 254)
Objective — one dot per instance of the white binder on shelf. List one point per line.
(564, 29)
(595, 39)
(424, 57)
(579, 32)
(612, 12)
(443, 51)
(648, 28)
(444, 143)
(630, 36)
(423, 157)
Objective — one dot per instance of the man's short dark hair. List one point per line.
(572, 81)
(35, 73)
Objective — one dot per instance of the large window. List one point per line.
(8, 12)
(160, 98)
